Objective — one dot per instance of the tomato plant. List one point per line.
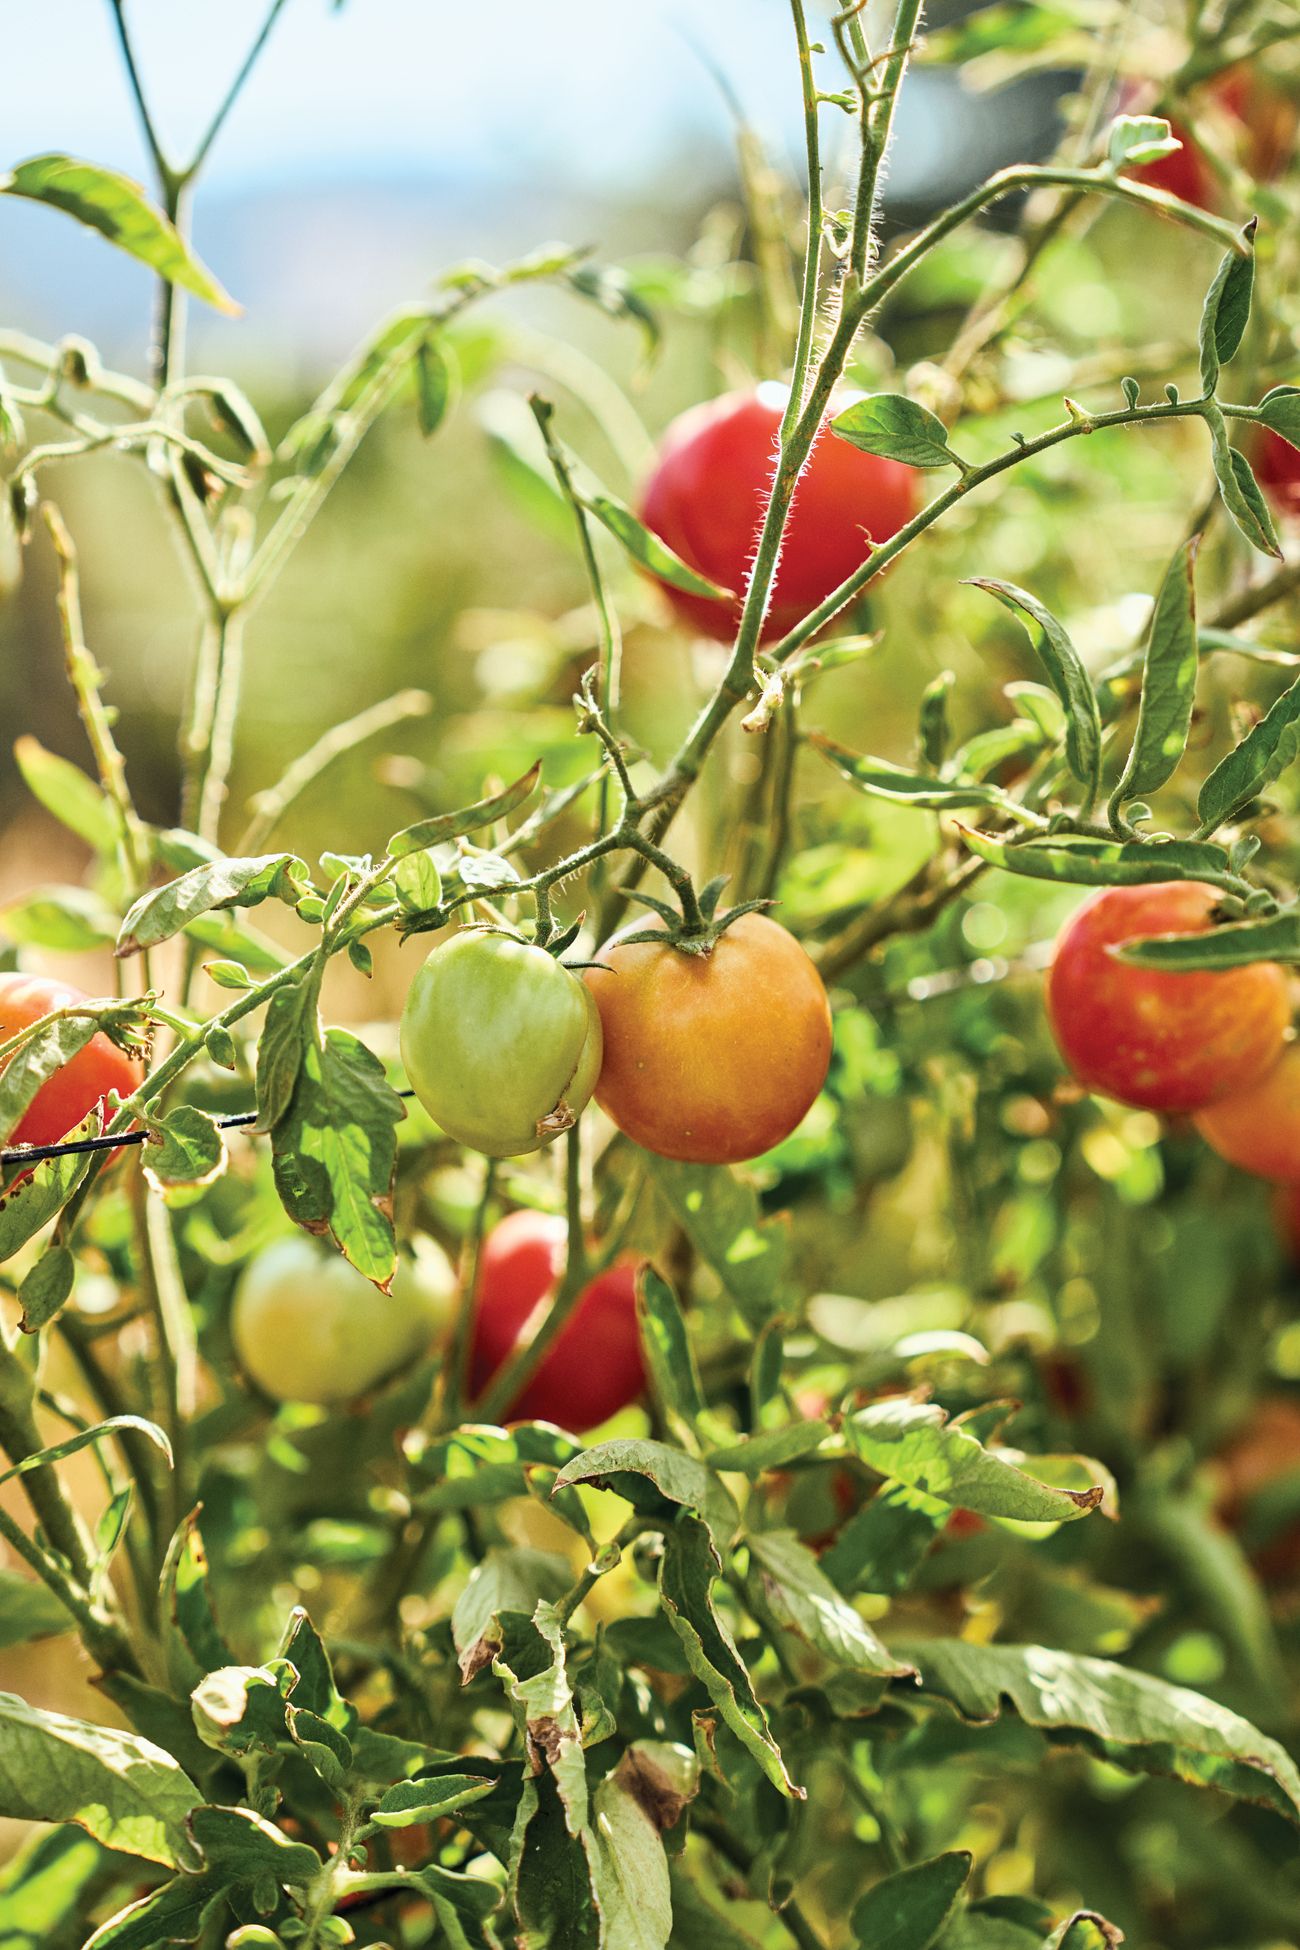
(77, 1085)
(707, 495)
(1258, 1128)
(1186, 173)
(1177, 1042)
(501, 1043)
(593, 1368)
(307, 1327)
(711, 1058)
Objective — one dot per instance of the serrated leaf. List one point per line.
(907, 1910)
(1069, 678)
(1106, 863)
(656, 1479)
(159, 915)
(799, 1596)
(191, 1157)
(126, 1792)
(120, 210)
(915, 1443)
(76, 801)
(1128, 1717)
(645, 547)
(429, 1799)
(771, 1449)
(450, 826)
(670, 1362)
(34, 1064)
(1168, 681)
(1235, 944)
(29, 1610)
(1226, 310)
(1238, 486)
(32, 1200)
(1136, 139)
(721, 1216)
(896, 428)
(334, 1152)
(885, 781)
(68, 920)
(1262, 756)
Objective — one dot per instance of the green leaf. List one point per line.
(418, 882)
(120, 210)
(127, 1793)
(192, 1644)
(245, 1846)
(382, 1758)
(429, 1799)
(34, 1065)
(507, 1580)
(304, 1648)
(1127, 1717)
(68, 920)
(463, 1905)
(914, 1442)
(159, 915)
(242, 943)
(933, 728)
(1085, 1930)
(191, 1156)
(1262, 756)
(697, 1924)
(33, 1200)
(686, 1573)
(1168, 681)
(987, 750)
(1279, 410)
(335, 1152)
(174, 1913)
(450, 826)
(771, 1449)
(84, 1439)
(76, 801)
(721, 1216)
(482, 1464)
(887, 781)
(629, 1869)
(1238, 487)
(46, 1287)
(653, 1478)
(240, 1709)
(1137, 139)
(666, 1346)
(161, 1718)
(1107, 863)
(880, 1547)
(792, 1587)
(290, 1019)
(1069, 679)
(433, 386)
(896, 428)
(1227, 309)
(28, 1610)
(610, 287)
(41, 1887)
(907, 1910)
(1235, 944)
(645, 547)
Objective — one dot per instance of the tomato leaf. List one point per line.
(315, 1690)
(1279, 410)
(610, 287)
(914, 1442)
(932, 724)
(238, 942)
(880, 1548)
(289, 1022)
(429, 1799)
(240, 1709)
(335, 1152)
(433, 385)
(885, 781)
(32, 1201)
(645, 547)
(244, 1845)
(771, 1448)
(72, 1445)
(907, 1910)
(44, 1289)
(1227, 309)
(192, 1644)
(1238, 486)
(1168, 681)
(76, 801)
(666, 1346)
(34, 1064)
(653, 1478)
(126, 1792)
(219, 883)
(1136, 139)
(720, 1214)
(1106, 863)
(29, 1610)
(791, 1587)
(1234, 945)
(120, 210)
(896, 428)
(506, 1581)
(175, 1913)
(191, 1156)
(1070, 679)
(686, 1572)
(450, 826)
(1128, 1717)
(1262, 756)
(68, 920)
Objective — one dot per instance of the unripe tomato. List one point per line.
(1259, 1128)
(73, 1091)
(500, 1043)
(707, 497)
(712, 1059)
(594, 1366)
(1162, 1041)
(307, 1327)
(1277, 469)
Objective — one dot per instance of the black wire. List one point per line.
(35, 1154)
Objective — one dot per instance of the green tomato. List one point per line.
(307, 1327)
(500, 1043)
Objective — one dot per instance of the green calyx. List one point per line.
(692, 934)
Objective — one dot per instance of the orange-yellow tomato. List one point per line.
(1259, 1128)
(711, 1059)
(1163, 1041)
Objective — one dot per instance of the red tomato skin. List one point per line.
(712, 1059)
(1277, 469)
(595, 1365)
(1170, 1042)
(1185, 174)
(707, 498)
(1259, 1128)
(72, 1091)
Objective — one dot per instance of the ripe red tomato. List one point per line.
(712, 1059)
(72, 1091)
(1259, 1128)
(1173, 1042)
(707, 497)
(594, 1366)
(1277, 469)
